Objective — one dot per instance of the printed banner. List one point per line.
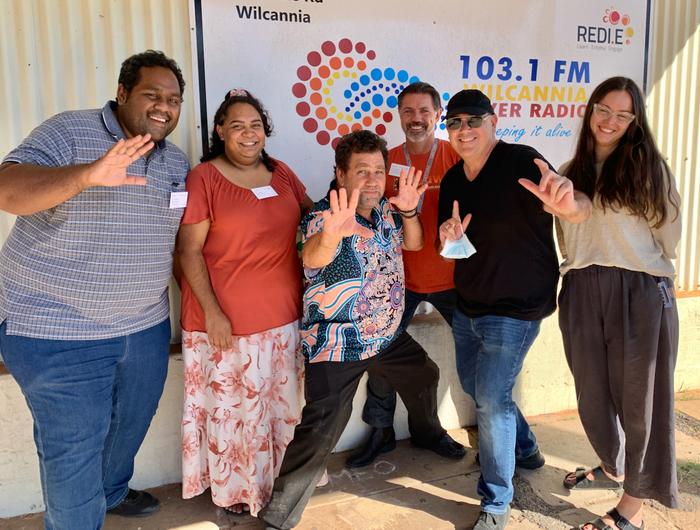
(325, 67)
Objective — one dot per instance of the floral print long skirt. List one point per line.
(241, 407)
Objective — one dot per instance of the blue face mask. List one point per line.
(459, 249)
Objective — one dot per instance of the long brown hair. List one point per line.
(635, 175)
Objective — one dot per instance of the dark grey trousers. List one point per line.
(329, 389)
(621, 343)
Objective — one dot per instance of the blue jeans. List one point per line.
(92, 402)
(381, 397)
(490, 351)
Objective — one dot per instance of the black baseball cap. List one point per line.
(470, 101)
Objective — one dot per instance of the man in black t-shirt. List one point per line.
(504, 290)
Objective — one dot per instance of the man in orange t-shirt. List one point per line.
(429, 277)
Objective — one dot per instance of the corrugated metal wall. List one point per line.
(57, 55)
(674, 109)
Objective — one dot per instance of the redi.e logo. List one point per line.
(615, 31)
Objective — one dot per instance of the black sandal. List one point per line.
(597, 523)
(600, 480)
(620, 521)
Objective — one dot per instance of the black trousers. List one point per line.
(621, 343)
(330, 388)
(380, 406)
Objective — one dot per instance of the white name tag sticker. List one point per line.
(264, 192)
(178, 199)
(396, 169)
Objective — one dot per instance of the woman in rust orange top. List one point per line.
(241, 302)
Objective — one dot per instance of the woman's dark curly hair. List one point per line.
(216, 144)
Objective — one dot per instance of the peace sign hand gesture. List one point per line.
(454, 227)
(339, 221)
(410, 190)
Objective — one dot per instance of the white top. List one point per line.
(620, 239)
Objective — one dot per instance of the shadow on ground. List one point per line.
(414, 489)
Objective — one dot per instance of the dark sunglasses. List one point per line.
(473, 122)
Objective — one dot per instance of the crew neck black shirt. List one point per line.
(514, 272)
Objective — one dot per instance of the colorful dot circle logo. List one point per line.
(615, 18)
(445, 98)
(341, 90)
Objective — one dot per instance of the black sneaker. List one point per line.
(136, 504)
(534, 461)
(447, 447)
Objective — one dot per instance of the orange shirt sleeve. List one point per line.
(295, 184)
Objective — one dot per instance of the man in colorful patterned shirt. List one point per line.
(352, 309)
(429, 277)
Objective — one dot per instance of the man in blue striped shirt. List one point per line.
(84, 277)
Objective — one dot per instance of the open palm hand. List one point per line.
(110, 169)
(410, 190)
(339, 221)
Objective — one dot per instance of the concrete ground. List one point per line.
(413, 489)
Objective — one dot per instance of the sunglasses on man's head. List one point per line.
(473, 122)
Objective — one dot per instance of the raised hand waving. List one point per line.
(110, 169)
(410, 190)
(339, 221)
